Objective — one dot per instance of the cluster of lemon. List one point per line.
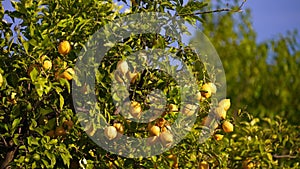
(157, 131)
(62, 71)
(219, 113)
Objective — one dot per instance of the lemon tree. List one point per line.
(40, 44)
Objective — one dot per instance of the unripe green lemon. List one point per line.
(36, 157)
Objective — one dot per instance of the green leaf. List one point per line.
(61, 101)
(64, 82)
(51, 157)
(32, 141)
(34, 74)
(25, 45)
(33, 125)
(14, 125)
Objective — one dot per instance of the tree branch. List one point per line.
(283, 156)
(8, 158)
(239, 9)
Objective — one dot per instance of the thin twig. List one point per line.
(283, 156)
(242, 4)
(217, 10)
(211, 11)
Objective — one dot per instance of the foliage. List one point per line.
(38, 125)
(261, 76)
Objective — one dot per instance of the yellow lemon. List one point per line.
(47, 64)
(218, 137)
(110, 132)
(135, 109)
(64, 47)
(119, 127)
(154, 131)
(220, 112)
(189, 109)
(227, 127)
(122, 67)
(43, 58)
(225, 103)
(68, 74)
(173, 108)
(166, 139)
(208, 89)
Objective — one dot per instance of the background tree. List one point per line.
(260, 76)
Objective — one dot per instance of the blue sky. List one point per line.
(273, 17)
(269, 17)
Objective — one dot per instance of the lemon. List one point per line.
(227, 127)
(154, 131)
(166, 139)
(64, 47)
(47, 64)
(189, 109)
(173, 108)
(119, 127)
(220, 112)
(208, 89)
(225, 104)
(122, 67)
(68, 74)
(218, 137)
(110, 132)
(135, 109)
(36, 157)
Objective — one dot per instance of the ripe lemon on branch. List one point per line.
(47, 64)
(64, 47)
(208, 89)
